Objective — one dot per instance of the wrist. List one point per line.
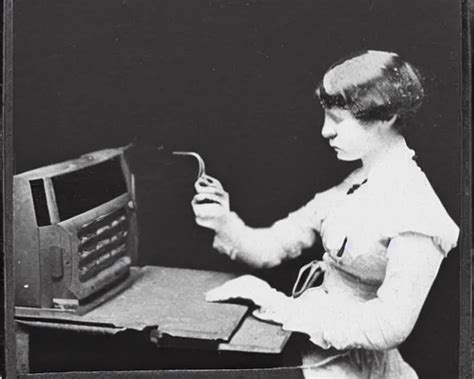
(225, 221)
(227, 234)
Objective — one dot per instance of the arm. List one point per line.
(343, 322)
(267, 247)
(378, 324)
(258, 247)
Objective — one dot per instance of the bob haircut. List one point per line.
(373, 86)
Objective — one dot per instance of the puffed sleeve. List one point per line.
(382, 323)
(286, 238)
(415, 207)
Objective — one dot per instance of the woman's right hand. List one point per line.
(211, 203)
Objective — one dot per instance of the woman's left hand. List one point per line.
(244, 287)
(271, 303)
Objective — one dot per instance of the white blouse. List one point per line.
(392, 232)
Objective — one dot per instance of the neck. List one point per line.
(386, 146)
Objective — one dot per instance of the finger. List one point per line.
(212, 181)
(201, 186)
(207, 209)
(264, 315)
(205, 222)
(213, 190)
(210, 178)
(207, 197)
(208, 181)
(259, 313)
(207, 212)
(204, 180)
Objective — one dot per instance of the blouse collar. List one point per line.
(393, 161)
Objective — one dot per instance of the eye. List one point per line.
(334, 117)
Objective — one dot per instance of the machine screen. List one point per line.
(79, 191)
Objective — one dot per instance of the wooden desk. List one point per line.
(168, 306)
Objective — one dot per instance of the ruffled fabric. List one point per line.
(416, 208)
(408, 200)
(357, 364)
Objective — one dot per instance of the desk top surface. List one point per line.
(171, 299)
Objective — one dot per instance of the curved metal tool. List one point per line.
(201, 164)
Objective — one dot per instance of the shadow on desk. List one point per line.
(161, 322)
(58, 351)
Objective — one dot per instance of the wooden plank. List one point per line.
(258, 337)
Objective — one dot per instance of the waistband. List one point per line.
(338, 280)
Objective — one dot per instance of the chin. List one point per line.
(345, 157)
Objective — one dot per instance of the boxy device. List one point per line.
(75, 231)
(75, 249)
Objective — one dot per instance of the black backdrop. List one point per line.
(233, 80)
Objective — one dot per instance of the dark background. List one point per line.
(233, 80)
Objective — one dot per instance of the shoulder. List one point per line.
(414, 207)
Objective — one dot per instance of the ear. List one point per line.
(389, 123)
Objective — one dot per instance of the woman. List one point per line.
(384, 230)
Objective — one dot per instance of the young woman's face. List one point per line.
(349, 137)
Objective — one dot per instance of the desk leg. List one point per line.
(22, 349)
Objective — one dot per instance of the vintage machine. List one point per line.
(75, 251)
(75, 231)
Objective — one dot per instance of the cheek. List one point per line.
(361, 137)
(350, 132)
(354, 138)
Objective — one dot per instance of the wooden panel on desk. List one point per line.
(257, 337)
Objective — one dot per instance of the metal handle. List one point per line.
(202, 166)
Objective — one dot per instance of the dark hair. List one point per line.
(373, 86)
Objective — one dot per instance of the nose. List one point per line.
(328, 130)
